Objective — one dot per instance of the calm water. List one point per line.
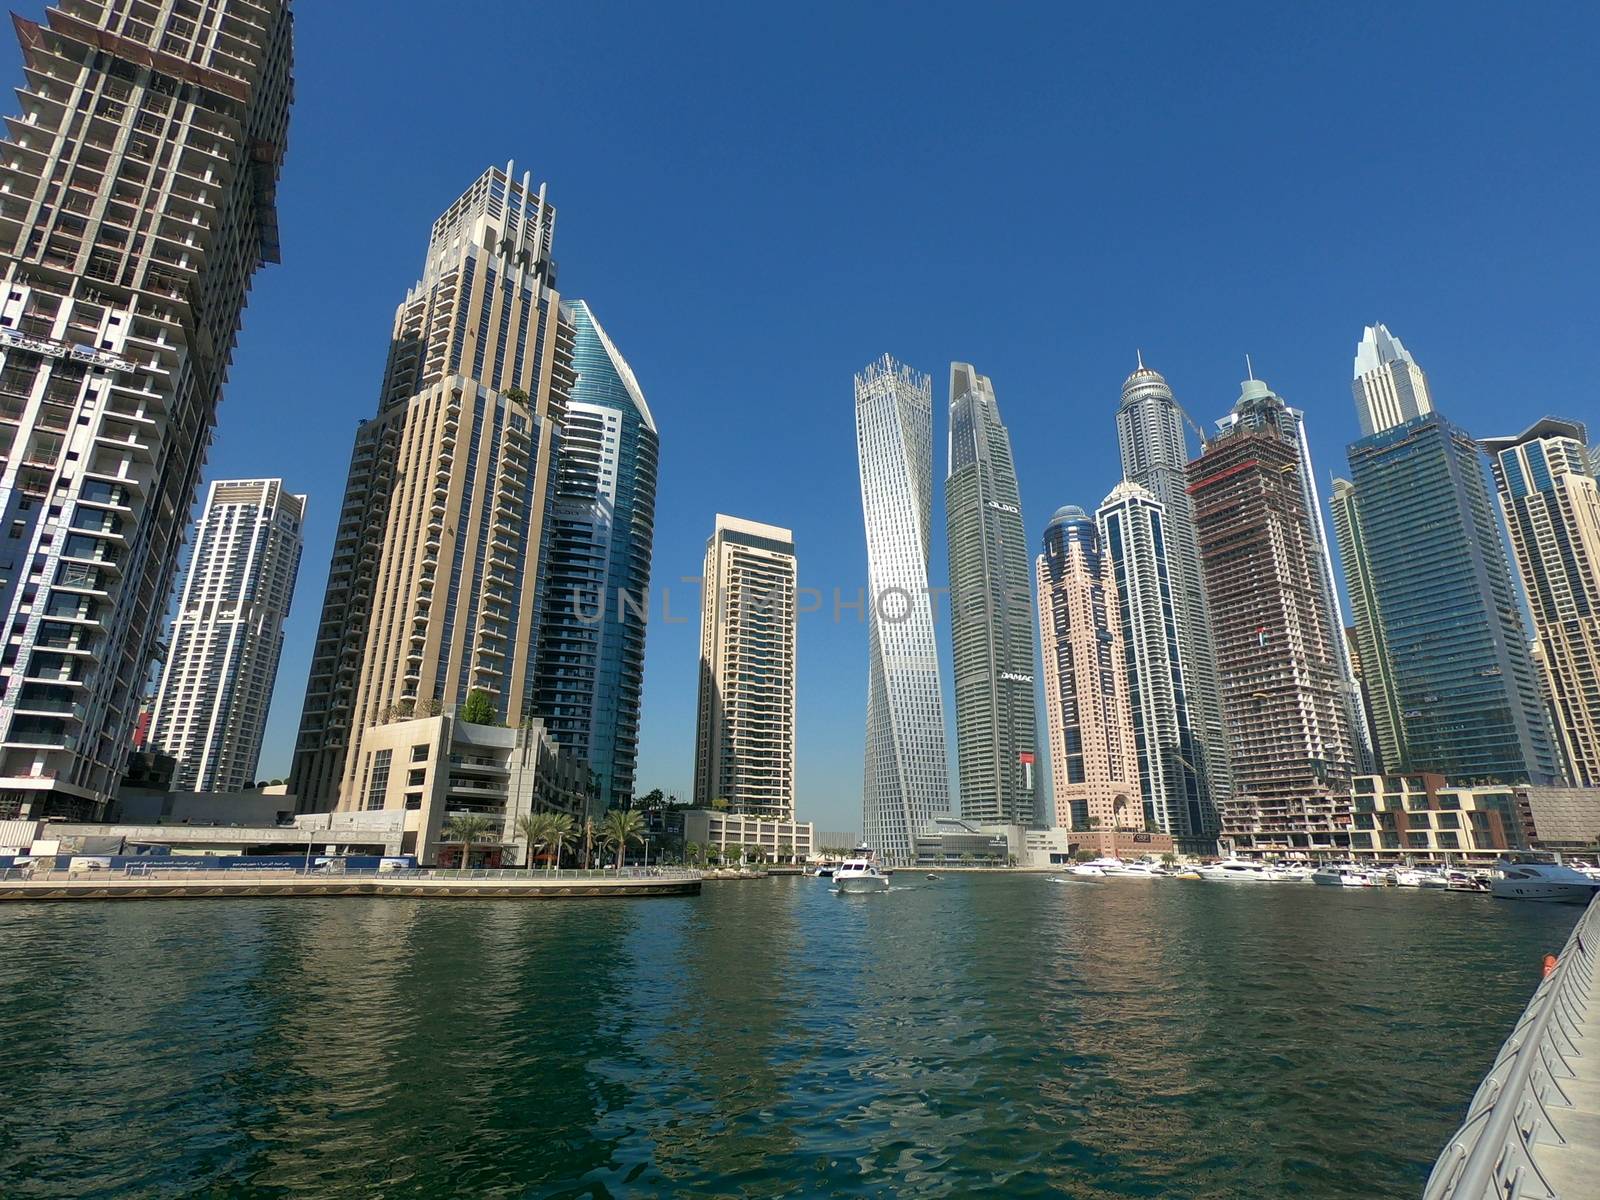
(1001, 1035)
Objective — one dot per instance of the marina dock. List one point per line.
(1533, 1129)
(156, 884)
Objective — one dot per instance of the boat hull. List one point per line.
(1543, 891)
(858, 885)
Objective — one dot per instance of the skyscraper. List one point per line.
(1445, 611)
(432, 593)
(1381, 699)
(1135, 541)
(991, 610)
(1256, 409)
(1551, 502)
(744, 742)
(136, 201)
(1390, 388)
(1094, 761)
(591, 637)
(1155, 455)
(1277, 636)
(905, 778)
(216, 685)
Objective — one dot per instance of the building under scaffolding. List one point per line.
(1277, 654)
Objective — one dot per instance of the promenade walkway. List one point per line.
(138, 883)
(1533, 1130)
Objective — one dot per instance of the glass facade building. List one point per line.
(1155, 456)
(1551, 502)
(1133, 531)
(905, 777)
(211, 708)
(597, 576)
(1445, 611)
(991, 610)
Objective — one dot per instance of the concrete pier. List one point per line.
(464, 885)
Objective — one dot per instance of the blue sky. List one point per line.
(756, 200)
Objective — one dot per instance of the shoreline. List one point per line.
(222, 885)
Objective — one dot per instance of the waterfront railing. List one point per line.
(1495, 1154)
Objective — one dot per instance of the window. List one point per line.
(378, 781)
(416, 778)
(413, 800)
(419, 754)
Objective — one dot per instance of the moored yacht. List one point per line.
(1243, 870)
(1419, 877)
(1343, 875)
(1531, 876)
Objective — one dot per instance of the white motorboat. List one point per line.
(1530, 876)
(859, 874)
(1117, 867)
(1296, 872)
(1240, 870)
(1087, 870)
(1342, 875)
(1418, 877)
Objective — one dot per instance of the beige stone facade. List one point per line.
(431, 592)
(779, 839)
(1403, 818)
(432, 768)
(745, 740)
(1094, 761)
(1551, 503)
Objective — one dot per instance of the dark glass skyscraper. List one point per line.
(1133, 531)
(1155, 455)
(991, 623)
(1445, 611)
(591, 643)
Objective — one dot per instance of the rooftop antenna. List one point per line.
(1139, 354)
(1248, 369)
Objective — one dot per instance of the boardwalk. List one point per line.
(1533, 1130)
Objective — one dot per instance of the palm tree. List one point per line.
(534, 829)
(588, 840)
(468, 829)
(560, 831)
(691, 852)
(786, 849)
(619, 827)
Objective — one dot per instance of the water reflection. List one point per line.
(975, 1035)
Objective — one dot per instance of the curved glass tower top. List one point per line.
(591, 646)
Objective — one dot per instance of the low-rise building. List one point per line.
(1421, 817)
(250, 833)
(779, 840)
(434, 768)
(949, 841)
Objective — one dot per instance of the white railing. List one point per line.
(1494, 1155)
